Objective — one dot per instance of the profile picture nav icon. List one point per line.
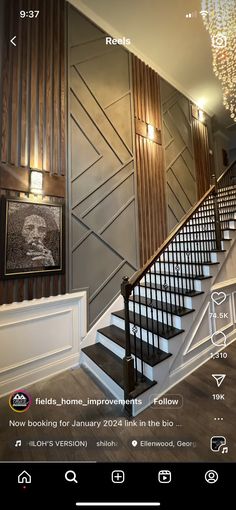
(20, 401)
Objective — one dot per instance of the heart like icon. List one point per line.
(218, 297)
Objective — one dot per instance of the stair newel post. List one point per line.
(216, 213)
(128, 361)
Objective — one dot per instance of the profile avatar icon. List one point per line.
(20, 401)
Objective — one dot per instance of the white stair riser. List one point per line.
(232, 224)
(164, 344)
(229, 207)
(119, 351)
(184, 269)
(167, 318)
(200, 238)
(194, 228)
(190, 245)
(229, 234)
(169, 297)
(200, 224)
(178, 282)
(157, 315)
(183, 255)
(207, 231)
(207, 224)
(230, 212)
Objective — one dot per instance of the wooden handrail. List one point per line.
(135, 279)
(226, 171)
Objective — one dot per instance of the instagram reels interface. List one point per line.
(117, 263)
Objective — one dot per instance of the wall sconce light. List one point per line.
(150, 132)
(36, 182)
(197, 113)
(201, 116)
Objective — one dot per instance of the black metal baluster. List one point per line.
(163, 285)
(178, 277)
(128, 361)
(140, 325)
(174, 282)
(146, 308)
(157, 305)
(134, 330)
(170, 260)
(191, 259)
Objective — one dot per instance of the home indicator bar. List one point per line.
(118, 504)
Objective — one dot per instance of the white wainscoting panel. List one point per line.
(40, 338)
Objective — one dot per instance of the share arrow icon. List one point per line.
(219, 378)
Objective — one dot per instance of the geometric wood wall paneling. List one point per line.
(32, 123)
(103, 241)
(179, 161)
(151, 186)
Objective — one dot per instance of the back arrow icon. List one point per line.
(12, 40)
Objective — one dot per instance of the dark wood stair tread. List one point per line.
(112, 365)
(117, 335)
(180, 275)
(209, 230)
(186, 263)
(180, 311)
(185, 251)
(158, 328)
(218, 251)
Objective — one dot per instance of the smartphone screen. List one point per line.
(117, 252)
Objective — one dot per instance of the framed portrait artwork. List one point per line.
(32, 237)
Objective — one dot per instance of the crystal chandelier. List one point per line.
(219, 17)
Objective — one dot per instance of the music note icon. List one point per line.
(225, 449)
(18, 443)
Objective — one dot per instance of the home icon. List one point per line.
(24, 477)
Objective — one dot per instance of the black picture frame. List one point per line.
(32, 235)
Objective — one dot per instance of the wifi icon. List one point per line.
(204, 13)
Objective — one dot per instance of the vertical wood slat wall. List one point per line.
(201, 156)
(32, 115)
(33, 90)
(151, 186)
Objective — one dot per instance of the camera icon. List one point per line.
(219, 41)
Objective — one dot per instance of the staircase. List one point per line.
(132, 355)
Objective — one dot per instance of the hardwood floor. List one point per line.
(193, 422)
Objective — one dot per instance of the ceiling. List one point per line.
(176, 46)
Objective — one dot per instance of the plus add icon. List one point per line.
(118, 476)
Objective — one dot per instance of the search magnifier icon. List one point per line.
(70, 476)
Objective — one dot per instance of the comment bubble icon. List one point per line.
(219, 339)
